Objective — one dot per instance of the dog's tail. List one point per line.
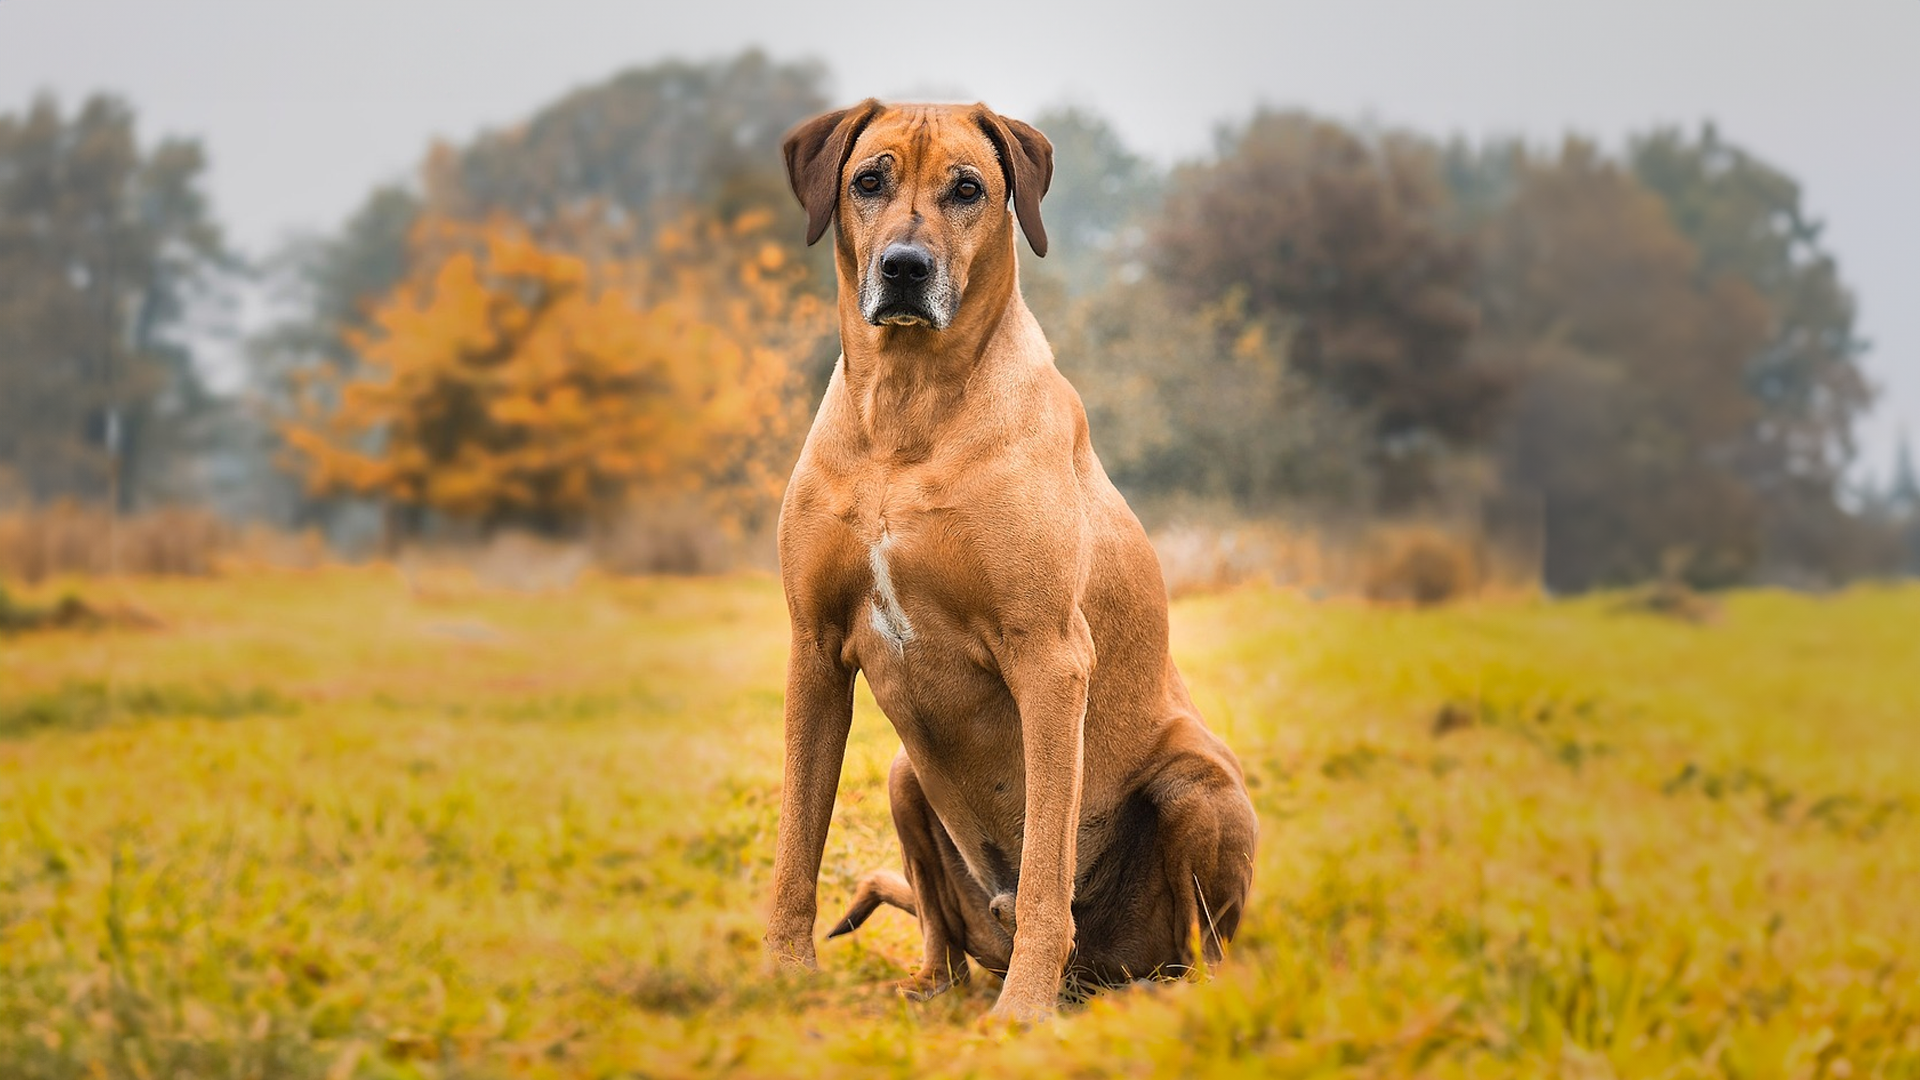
(879, 887)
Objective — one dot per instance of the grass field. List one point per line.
(343, 825)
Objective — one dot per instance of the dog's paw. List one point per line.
(1023, 1009)
(928, 985)
(791, 957)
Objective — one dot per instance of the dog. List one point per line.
(1064, 815)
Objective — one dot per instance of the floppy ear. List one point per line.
(1027, 159)
(816, 152)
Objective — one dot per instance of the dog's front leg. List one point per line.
(819, 712)
(1048, 675)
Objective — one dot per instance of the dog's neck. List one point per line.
(906, 382)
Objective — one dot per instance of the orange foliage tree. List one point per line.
(510, 381)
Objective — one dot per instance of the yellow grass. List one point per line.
(350, 824)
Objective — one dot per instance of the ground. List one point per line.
(358, 824)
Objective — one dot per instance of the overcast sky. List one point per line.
(303, 105)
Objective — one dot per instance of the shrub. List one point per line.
(1419, 564)
(67, 538)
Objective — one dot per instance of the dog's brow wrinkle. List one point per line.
(921, 134)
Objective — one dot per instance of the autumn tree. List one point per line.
(649, 148)
(1340, 243)
(509, 382)
(102, 244)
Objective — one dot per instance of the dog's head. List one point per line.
(919, 192)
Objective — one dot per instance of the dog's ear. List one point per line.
(1027, 159)
(816, 152)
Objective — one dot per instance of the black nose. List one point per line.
(905, 261)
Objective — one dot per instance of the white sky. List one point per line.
(304, 105)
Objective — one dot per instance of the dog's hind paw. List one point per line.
(1001, 908)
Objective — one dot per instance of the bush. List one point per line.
(1199, 558)
(66, 538)
(1419, 564)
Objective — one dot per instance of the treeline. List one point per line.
(1649, 354)
(603, 320)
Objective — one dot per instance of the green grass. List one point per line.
(330, 825)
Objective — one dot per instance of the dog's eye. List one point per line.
(967, 190)
(868, 183)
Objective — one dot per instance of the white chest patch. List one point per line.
(884, 610)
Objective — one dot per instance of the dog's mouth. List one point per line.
(901, 313)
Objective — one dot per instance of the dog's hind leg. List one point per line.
(952, 906)
(1208, 830)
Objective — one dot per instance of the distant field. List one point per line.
(339, 825)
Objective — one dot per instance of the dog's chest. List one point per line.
(920, 646)
(886, 615)
(906, 594)
(914, 576)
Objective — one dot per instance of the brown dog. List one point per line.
(949, 532)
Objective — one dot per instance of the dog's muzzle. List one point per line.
(905, 286)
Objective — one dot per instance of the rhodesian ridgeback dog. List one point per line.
(948, 532)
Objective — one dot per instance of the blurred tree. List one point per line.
(617, 160)
(332, 281)
(1340, 243)
(101, 248)
(649, 144)
(508, 382)
(323, 290)
(1904, 505)
(1904, 492)
(1633, 410)
(1202, 404)
(1480, 179)
(1102, 198)
(329, 287)
(596, 174)
(644, 150)
(1746, 219)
